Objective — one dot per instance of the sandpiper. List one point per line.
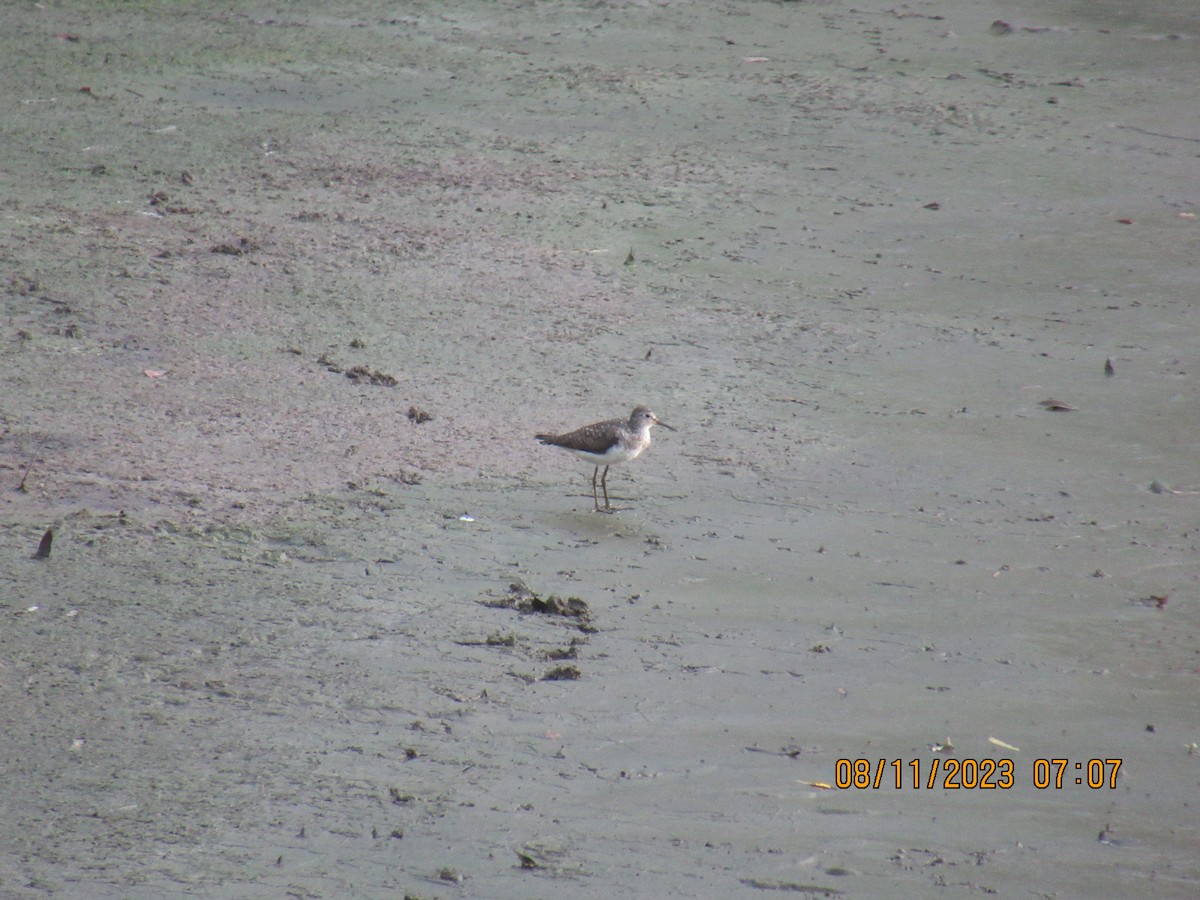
(608, 443)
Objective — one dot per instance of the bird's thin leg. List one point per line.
(604, 484)
(595, 498)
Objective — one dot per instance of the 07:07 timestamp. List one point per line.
(953, 773)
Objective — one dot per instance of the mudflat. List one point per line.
(906, 607)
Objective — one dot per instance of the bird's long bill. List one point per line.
(664, 425)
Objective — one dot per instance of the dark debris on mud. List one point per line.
(570, 611)
(522, 599)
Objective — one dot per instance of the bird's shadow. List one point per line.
(601, 522)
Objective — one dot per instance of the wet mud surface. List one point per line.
(286, 294)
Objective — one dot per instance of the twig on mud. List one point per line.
(21, 486)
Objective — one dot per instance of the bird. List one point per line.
(608, 443)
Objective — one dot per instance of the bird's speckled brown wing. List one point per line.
(594, 438)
